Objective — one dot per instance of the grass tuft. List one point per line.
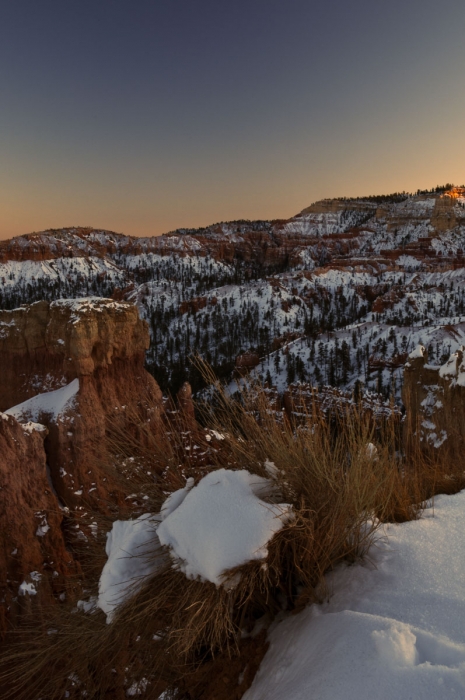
(344, 476)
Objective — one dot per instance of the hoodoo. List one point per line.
(68, 369)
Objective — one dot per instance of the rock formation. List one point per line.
(97, 343)
(434, 397)
(34, 560)
(46, 345)
(77, 368)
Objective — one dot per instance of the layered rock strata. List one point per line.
(69, 372)
(97, 343)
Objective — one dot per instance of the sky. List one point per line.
(143, 116)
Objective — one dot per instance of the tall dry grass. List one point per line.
(341, 491)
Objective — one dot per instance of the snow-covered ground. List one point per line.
(364, 284)
(393, 628)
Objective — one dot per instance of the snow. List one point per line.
(87, 606)
(52, 404)
(175, 499)
(454, 368)
(84, 304)
(408, 261)
(29, 588)
(449, 368)
(271, 469)
(31, 427)
(394, 627)
(138, 688)
(418, 352)
(222, 523)
(44, 527)
(18, 274)
(133, 552)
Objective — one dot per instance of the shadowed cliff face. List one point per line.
(46, 345)
(74, 367)
(97, 343)
(35, 564)
(434, 397)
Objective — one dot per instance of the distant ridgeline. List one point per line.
(337, 295)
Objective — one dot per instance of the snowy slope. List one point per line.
(394, 628)
(336, 295)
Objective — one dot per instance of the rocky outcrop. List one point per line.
(434, 397)
(447, 215)
(331, 206)
(96, 346)
(34, 561)
(194, 305)
(414, 211)
(302, 400)
(46, 345)
(248, 360)
(76, 369)
(186, 408)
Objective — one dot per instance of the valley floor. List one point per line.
(394, 627)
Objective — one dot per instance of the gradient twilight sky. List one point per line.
(142, 116)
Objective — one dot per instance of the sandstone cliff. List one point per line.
(434, 397)
(46, 345)
(98, 342)
(75, 367)
(34, 561)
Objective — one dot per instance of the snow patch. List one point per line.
(175, 499)
(222, 523)
(51, 404)
(418, 352)
(393, 629)
(31, 427)
(133, 551)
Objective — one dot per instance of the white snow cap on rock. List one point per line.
(210, 528)
(221, 523)
(419, 351)
(452, 370)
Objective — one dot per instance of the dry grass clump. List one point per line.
(343, 477)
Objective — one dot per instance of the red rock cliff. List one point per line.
(434, 397)
(34, 561)
(98, 344)
(74, 367)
